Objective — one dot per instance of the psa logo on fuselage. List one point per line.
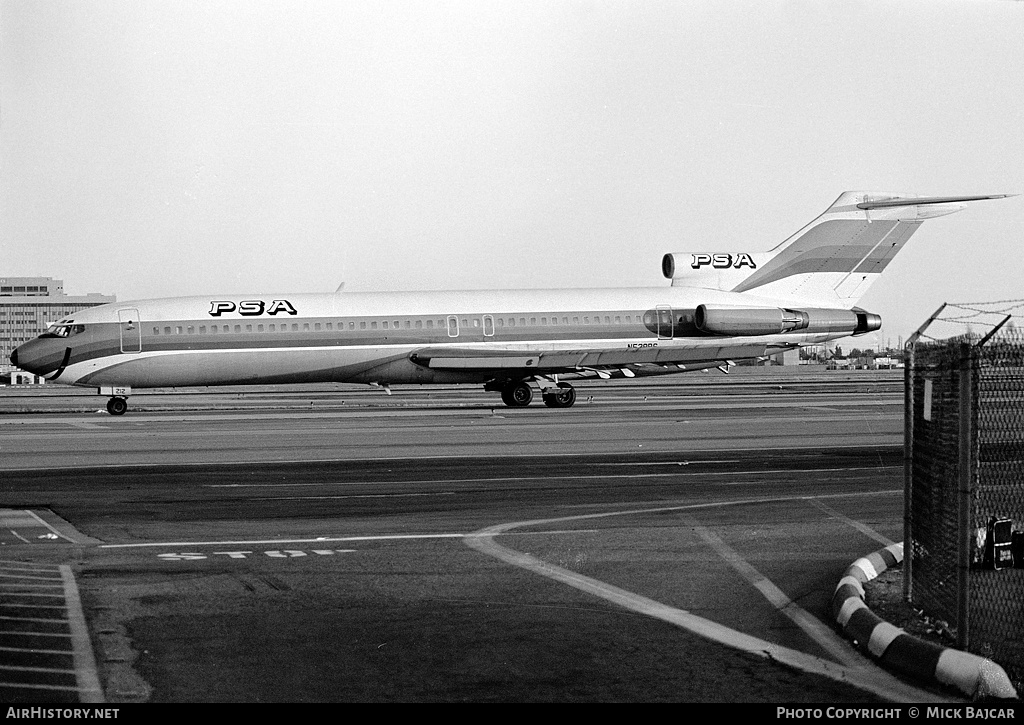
(723, 261)
(251, 308)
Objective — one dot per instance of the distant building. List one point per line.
(27, 307)
(786, 357)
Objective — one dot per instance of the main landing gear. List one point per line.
(117, 405)
(519, 394)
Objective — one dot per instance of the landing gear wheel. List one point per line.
(517, 396)
(117, 406)
(564, 398)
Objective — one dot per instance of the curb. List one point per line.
(974, 676)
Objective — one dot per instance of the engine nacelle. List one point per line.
(753, 321)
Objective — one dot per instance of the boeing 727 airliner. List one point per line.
(720, 308)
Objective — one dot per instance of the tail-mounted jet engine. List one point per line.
(751, 321)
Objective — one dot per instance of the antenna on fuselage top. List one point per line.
(340, 288)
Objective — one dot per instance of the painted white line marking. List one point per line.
(85, 664)
(31, 606)
(43, 523)
(580, 477)
(26, 566)
(33, 650)
(352, 495)
(51, 670)
(36, 634)
(22, 577)
(28, 686)
(20, 536)
(867, 678)
(37, 620)
(16, 585)
(258, 542)
(709, 447)
(813, 627)
(328, 539)
(861, 527)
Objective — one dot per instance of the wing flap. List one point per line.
(560, 361)
(482, 362)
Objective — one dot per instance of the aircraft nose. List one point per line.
(38, 356)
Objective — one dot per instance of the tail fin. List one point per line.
(834, 259)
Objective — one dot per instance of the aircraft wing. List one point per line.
(588, 362)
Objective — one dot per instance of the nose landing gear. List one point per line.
(117, 405)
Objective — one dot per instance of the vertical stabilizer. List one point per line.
(833, 260)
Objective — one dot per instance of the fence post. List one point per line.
(908, 471)
(965, 464)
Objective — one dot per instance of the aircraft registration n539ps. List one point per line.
(719, 308)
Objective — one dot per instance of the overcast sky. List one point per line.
(163, 148)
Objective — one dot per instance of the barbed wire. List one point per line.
(991, 314)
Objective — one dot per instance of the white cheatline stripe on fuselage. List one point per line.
(866, 677)
(75, 371)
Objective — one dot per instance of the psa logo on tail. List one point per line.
(723, 261)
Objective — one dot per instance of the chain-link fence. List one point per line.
(965, 489)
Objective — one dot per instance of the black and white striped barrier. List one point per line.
(974, 676)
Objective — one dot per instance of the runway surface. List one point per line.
(666, 541)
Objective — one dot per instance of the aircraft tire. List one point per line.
(517, 396)
(117, 406)
(564, 398)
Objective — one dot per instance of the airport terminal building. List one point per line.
(27, 307)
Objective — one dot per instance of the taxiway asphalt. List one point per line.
(653, 543)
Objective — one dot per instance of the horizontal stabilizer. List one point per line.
(920, 201)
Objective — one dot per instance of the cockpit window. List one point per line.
(63, 330)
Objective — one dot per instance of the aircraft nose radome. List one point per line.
(14, 358)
